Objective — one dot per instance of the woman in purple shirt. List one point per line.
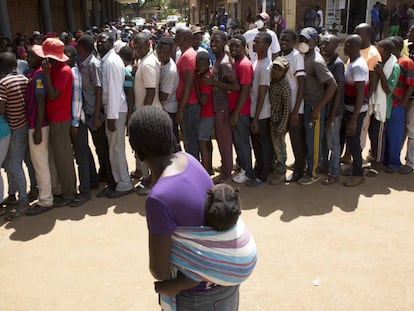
(177, 199)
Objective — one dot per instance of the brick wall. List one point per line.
(23, 16)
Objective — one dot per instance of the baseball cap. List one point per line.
(281, 62)
(309, 33)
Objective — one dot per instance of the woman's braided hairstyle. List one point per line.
(151, 133)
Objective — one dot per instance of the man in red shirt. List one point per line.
(58, 78)
(188, 113)
(239, 102)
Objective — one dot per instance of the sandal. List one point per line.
(142, 190)
(372, 172)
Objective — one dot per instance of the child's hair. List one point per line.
(126, 54)
(222, 209)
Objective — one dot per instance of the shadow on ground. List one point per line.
(28, 228)
(294, 200)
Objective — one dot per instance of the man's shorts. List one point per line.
(205, 128)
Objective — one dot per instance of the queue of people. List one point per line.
(190, 85)
(294, 84)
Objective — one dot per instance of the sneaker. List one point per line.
(37, 209)
(294, 177)
(330, 180)
(390, 170)
(221, 179)
(241, 177)
(353, 181)
(10, 200)
(277, 179)
(254, 182)
(405, 169)
(33, 194)
(307, 180)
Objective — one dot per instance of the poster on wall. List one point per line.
(333, 14)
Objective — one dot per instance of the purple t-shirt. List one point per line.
(35, 86)
(178, 200)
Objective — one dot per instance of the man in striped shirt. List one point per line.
(12, 92)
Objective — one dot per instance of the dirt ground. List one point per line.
(319, 247)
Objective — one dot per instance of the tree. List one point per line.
(144, 3)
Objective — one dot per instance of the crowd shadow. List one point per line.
(27, 228)
(294, 200)
(291, 200)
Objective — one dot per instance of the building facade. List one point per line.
(345, 14)
(54, 15)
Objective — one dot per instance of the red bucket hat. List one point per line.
(51, 48)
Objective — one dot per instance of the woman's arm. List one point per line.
(159, 255)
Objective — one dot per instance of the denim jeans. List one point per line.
(189, 127)
(409, 158)
(223, 298)
(14, 162)
(4, 147)
(331, 147)
(314, 132)
(395, 136)
(354, 143)
(241, 141)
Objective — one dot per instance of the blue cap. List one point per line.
(309, 33)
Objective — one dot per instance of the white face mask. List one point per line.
(259, 23)
(303, 47)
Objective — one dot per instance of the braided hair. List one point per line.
(222, 209)
(151, 133)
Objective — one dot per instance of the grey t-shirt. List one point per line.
(317, 73)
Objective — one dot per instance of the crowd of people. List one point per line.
(248, 91)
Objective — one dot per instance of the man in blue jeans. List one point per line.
(331, 151)
(240, 102)
(12, 90)
(356, 89)
(320, 87)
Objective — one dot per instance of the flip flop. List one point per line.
(372, 172)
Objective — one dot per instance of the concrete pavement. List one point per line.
(356, 243)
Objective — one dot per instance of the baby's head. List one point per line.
(222, 208)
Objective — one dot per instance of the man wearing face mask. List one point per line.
(261, 26)
(320, 86)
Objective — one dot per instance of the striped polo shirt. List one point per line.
(12, 92)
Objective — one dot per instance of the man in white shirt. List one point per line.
(260, 111)
(116, 109)
(168, 82)
(261, 22)
(147, 76)
(296, 78)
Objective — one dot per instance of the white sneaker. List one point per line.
(241, 177)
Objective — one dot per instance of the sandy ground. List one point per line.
(356, 243)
